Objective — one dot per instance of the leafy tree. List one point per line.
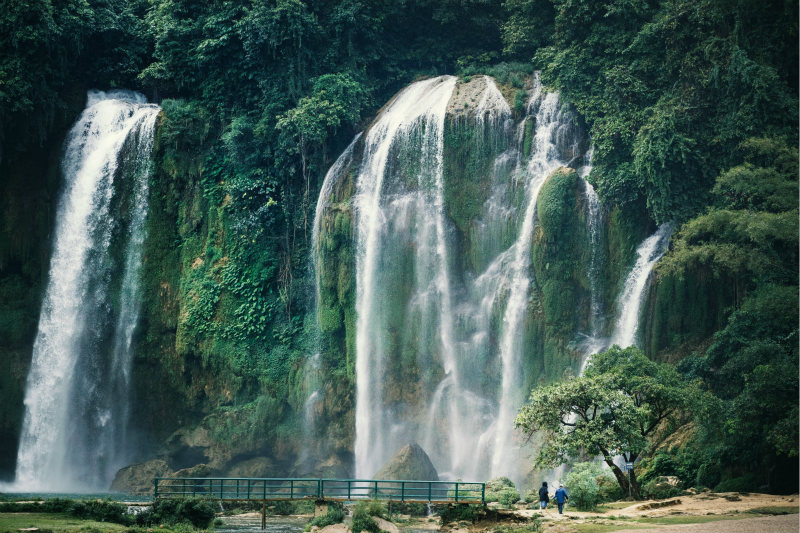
(611, 410)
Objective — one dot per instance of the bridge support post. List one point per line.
(264, 514)
(320, 508)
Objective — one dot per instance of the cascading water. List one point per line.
(630, 300)
(381, 212)
(543, 162)
(424, 329)
(76, 398)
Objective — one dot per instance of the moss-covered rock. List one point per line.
(409, 463)
(138, 478)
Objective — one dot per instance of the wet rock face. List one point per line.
(410, 462)
(254, 467)
(138, 478)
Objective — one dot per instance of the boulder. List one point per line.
(255, 467)
(138, 478)
(201, 470)
(410, 462)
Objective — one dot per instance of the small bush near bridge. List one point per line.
(199, 512)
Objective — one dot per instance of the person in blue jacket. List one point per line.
(561, 497)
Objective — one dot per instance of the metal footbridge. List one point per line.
(321, 490)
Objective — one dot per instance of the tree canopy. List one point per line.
(610, 411)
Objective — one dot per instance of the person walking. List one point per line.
(544, 497)
(561, 498)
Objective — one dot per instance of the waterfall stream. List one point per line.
(456, 335)
(76, 398)
(630, 300)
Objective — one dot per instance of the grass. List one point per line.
(63, 523)
(11, 522)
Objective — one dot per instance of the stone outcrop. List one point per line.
(138, 478)
(410, 462)
(254, 467)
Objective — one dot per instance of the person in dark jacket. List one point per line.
(544, 497)
(561, 497)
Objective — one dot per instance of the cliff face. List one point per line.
(230, 371)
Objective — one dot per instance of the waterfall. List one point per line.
(544, 160)
(76, 398)
(429, 335)
(414, 117)
(630, 300)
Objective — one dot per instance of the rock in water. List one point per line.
(138, 478)
(411, 462)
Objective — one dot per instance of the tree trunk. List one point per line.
(631, 488)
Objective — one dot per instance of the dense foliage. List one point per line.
(611, 410)
(691, 107)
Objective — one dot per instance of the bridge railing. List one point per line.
(263, 489)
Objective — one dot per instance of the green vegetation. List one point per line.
(334, 515)
(611, 410)
(363, 514)
(196, 512)
(589, 486)
(691, 107)
(13, 522)
(501, 490)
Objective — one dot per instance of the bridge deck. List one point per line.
(276, 489)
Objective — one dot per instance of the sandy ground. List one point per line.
(771, 524)
(705, 503)
(719, 512)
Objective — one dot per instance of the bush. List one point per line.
(334, 515)
(497, 486)
(608, 488)
(507, 497)
(283, 508)
(584, 492)
(708, 475)
(748, 483)
(200, 512)
(101, 511)
(362, 516)
(411, 509)
(660, 489)
(461, 511)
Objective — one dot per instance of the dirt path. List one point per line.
(766, 524)
(704, 512)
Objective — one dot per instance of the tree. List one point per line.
(611, 410)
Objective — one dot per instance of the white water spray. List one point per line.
(630, 300)
(73, 434)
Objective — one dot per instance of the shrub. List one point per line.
(708, 475)
(283, 508)
(496, 486)
(362, 517)
(584, 492)
(412, 509)
(461, 511)
(334, 515)
(508, 497)
(659, 489)
(746, 483)
(608, 488)
(101, 511)
(200, 512)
